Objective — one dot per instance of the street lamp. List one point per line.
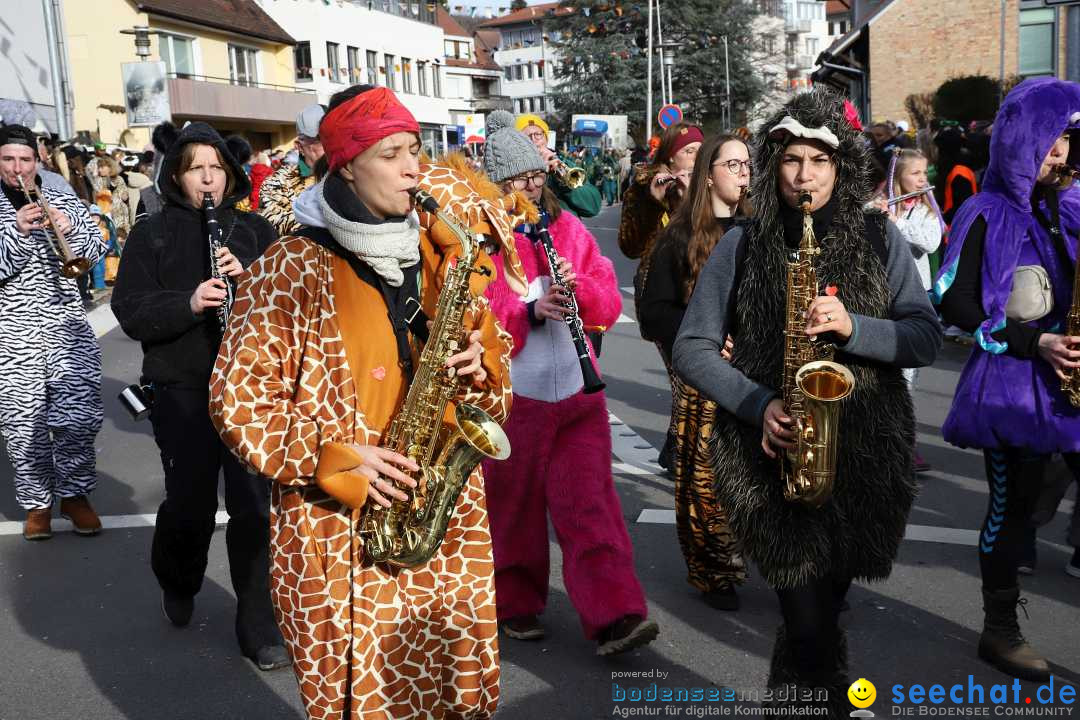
(667, 52)
(142, 40)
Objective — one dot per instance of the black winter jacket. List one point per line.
(166, 257)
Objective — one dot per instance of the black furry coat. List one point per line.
(855, 534)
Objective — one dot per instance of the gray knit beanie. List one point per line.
(507, 152)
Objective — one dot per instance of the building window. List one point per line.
(541, 104)
(177, 53)
(436, 80)
(540, 69)
(372, 67)
(302, 60)
(352, 56)
(388, 70)
(529, 70)
(812, 46)
(332, 62)
(406, 75)
(1037, 31)
(518, 74)
(421, 77)
(508, 72)
(519, 105)
(456, 49)
(242, 65)
(768, 44)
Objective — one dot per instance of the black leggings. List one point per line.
(193, 455)
(810, 619)
(1015, 479)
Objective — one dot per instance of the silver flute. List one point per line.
(908, 196)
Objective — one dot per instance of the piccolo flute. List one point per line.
(908, 196)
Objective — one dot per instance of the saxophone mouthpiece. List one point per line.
(425, 200)
(805, 201)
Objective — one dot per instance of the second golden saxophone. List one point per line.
(813, 385)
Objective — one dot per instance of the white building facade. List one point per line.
(807, 30)
(392, 44)
(527, 58)
(472, 79)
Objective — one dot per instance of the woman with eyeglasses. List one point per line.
(715, 199)
(561, 463)
(649, 201)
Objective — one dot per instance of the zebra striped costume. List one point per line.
(50, 362)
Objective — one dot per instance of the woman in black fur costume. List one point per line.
(880, 320)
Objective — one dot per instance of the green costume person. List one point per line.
(584, 201)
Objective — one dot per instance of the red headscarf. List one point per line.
(360, 122)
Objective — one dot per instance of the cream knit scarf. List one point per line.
(386, 248)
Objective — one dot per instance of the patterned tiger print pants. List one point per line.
(50, 404)
(708, 545)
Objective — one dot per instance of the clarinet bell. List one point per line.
(592, 381)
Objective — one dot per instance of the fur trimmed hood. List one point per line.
(818, 107)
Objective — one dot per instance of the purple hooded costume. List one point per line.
(1003, 400)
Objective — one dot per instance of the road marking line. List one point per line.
(628, 289)
(918, 533)
(632, 450)
(624, 319)
(102, 320)
(108, 522)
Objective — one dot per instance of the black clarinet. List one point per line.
(593, 383)
(213, 233)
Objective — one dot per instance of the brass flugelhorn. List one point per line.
(571, 177)
(70, 265)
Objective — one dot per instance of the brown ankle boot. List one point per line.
(77, 509)
(38, 525)
(1002, 644)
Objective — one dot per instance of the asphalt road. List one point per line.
(83, 637)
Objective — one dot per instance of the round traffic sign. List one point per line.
(669, 115)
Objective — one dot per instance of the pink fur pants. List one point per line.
(560, 463)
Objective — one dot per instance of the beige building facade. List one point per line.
(235, 73)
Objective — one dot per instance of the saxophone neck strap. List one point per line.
(403, 307)
(1052, 225)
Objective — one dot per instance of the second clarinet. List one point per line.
(213, 233)
(592, 380)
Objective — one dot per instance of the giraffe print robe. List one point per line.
(366, 641)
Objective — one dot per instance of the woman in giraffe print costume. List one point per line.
(303, 391)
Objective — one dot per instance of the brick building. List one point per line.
(900, 47)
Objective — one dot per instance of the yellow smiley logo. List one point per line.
(862, 693)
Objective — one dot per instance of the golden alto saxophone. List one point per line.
(813, 385)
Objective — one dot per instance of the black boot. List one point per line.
(1002, 644)
(789, 684)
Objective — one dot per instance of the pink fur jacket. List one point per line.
(544, 365)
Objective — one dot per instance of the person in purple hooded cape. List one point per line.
(1009, 400)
